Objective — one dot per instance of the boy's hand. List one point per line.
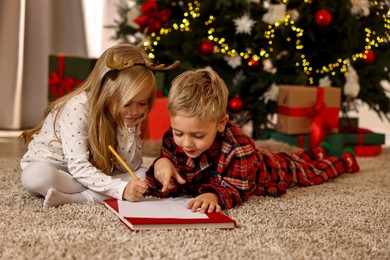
(207, 202)
(166, 174)
(135, 190)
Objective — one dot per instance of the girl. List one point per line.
(68, 159)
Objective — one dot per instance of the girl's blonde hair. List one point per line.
(198, 93)
(121, 84)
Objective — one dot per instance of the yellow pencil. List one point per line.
(123, 162)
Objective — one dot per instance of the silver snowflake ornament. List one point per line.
(244, 24)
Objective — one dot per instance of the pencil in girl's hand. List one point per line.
(122, 162)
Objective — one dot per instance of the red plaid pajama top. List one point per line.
(234, 169)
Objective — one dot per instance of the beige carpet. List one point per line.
(347, 218)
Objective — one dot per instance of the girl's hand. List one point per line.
(207, 202)
(166, 174)
(135, 190)
(140, 119)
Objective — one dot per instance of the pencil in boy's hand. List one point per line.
(122, 162)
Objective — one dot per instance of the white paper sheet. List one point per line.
(159, 208)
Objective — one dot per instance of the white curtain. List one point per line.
(12, 14)
(97, 15)
(29, 31)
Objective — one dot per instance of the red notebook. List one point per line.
(214, 220)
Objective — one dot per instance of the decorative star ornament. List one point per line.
(238, 78)
(271, 94)
(276, 13)
(324, 82)
(131, 4)
(234, 61)
(269, 67)
(244, 24)
(352, 85)
(360, 7)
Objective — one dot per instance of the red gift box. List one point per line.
(364, 142)
(158, 120)
(366, 150)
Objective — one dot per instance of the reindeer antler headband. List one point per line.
(122, 65)
(117, 66)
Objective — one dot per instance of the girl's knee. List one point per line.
(36, 177)
(29, 182)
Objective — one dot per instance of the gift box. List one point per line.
(364, 144)
(66, 73)
(366, 150)
(158, 120)
(303, 141)
(303, 110)
(348, 122)
(300, 106)
(362, 136)
(161, 90)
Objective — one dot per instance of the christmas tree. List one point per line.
(257, 45)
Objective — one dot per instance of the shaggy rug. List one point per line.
(346, 218)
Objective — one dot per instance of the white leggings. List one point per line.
(38, 177)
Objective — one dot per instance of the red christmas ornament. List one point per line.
(253, 63)
(369, 56)
(235, 104)
(206, 47)
(323, 17)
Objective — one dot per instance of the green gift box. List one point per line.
(335, 141)
(348, 122)
(363, 138)
(301, 141)
(66, 73)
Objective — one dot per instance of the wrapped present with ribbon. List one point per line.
(364, 142)
(66, 73)
(361, 136)
(162, 87)
(308, 110)
(348, 122)
(366, 150)
(336, 141)
(158, 120)
(301, 141)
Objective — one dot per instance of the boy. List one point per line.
(203, 154)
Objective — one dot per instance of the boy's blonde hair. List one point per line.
(101, 89)
(198, 93)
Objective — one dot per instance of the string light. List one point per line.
(372, 40)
